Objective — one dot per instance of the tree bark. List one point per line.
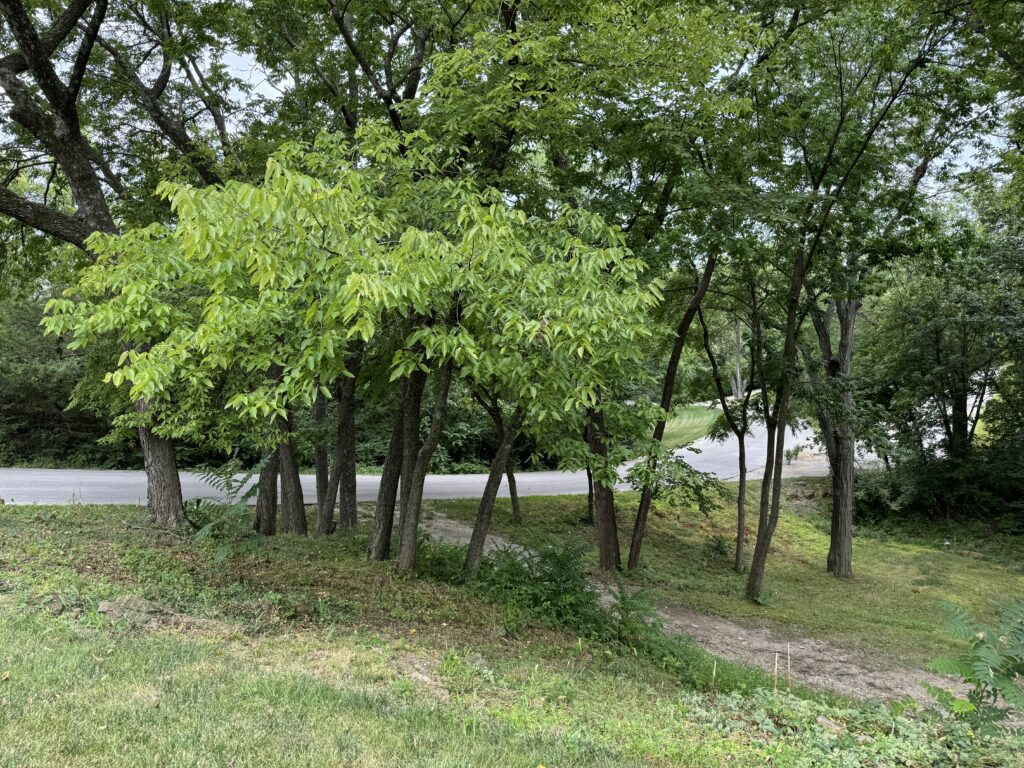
(590, 495)
(837, 428)
(321, 466)
(412, 501)
(293, 509)
(771, 486)
(346, 458)
(608, 556)
(264, 519)
(163, 485)
(667, 390)
(499, 464)
(384, 514)
(341, 479)
(513, 494)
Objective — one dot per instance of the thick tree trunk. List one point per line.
(667, 389)
(739, 563)
(411, 442)
(499, 464)
(513, 494)
(837, 428)
(264, 519)
(384, 514)
(608, 555)
(293, 509)
(163, 485)
(840, 552)
(412, 501)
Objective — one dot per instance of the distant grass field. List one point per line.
(298, 652)
(893, 605)
(688, 424)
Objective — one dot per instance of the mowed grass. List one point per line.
(688, 424)
(894, 605)
(298, 652)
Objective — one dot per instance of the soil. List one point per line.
(801, 659)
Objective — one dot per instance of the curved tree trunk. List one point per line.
(413, 499)
(264, 519)
(384, 514)
(668, 386)
(499, 464)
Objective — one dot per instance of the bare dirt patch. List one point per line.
(804, 660)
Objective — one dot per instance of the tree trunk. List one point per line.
(513, 494)
(265, 517)
(411, 442)
(667, 389)
(320, 461)
(293, 510)
(837, 428)
(840, 552)
(590, 496)
(347, 500)
(608, 556)
(499, 464)
(412, 501)
(384, 514)
(163, 485)
(768, 514)
(741, 508)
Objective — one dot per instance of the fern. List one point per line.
(227, 520)
(993, 665)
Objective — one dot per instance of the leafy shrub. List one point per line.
(992, 664)
(227, 524)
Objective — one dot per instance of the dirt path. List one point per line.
(810, 661)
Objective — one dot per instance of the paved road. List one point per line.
(87, 486)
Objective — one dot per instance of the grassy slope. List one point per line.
(688, 423)
(300, 653)
(893, 605)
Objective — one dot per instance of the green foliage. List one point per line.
(225, 522)
(992, 665)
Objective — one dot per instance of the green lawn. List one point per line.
(687, 424)
(298, 652)
(893, 605)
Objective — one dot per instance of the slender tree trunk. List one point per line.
(768, 515)
(293, 509)
(608, 556)
(411, 442)
(741, 508)
(513, 494)
(406, 560)
(163, 485)
(264, 519)
(499, 464)
(347, 500)
(320, 460)
(384, 514)
(667, 390)
(590, 495)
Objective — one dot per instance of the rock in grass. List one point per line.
(129, 608)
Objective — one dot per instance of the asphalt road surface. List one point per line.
(97, 486)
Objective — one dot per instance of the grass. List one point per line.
(298, 652)
(688, 424)
(892, 606)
